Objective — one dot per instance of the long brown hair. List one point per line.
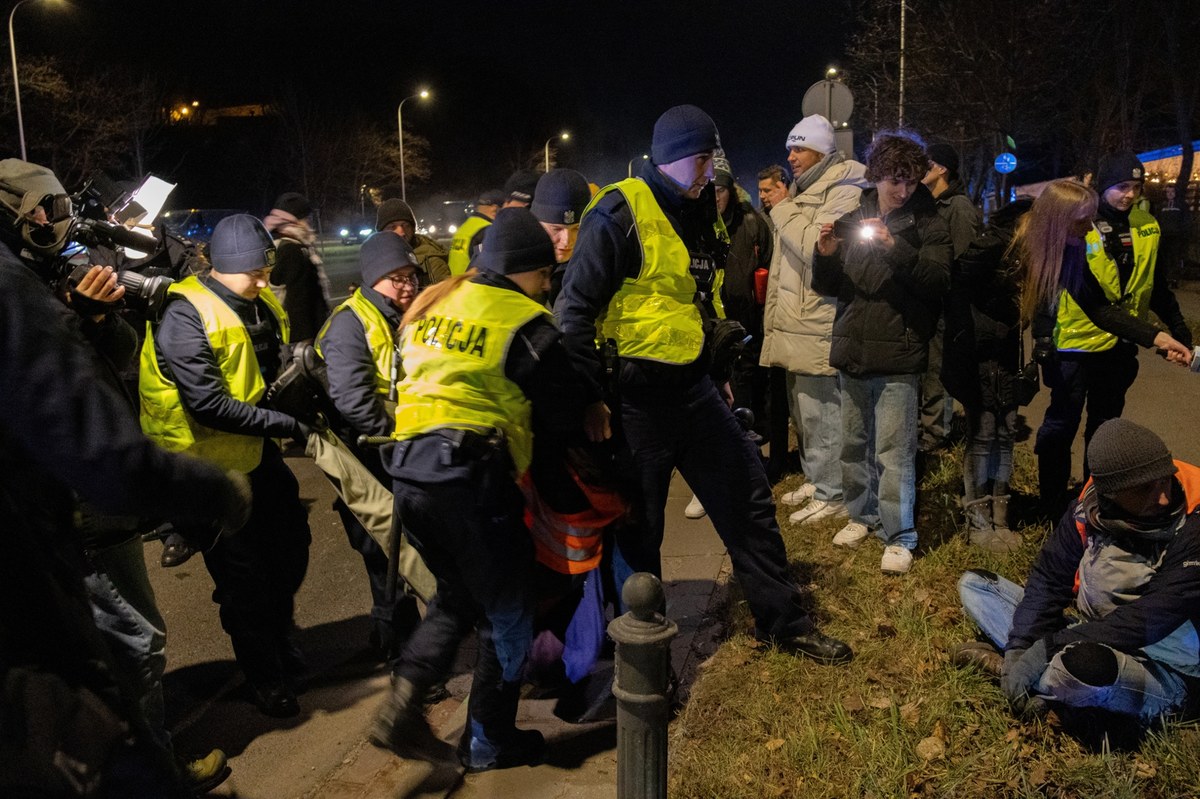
(433, 295)
(1042, 235)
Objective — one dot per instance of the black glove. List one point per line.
(1044, 351)
(232, 501)
(1022, 669)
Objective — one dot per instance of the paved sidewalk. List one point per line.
(581, 757)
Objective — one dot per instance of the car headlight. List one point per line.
(433, 228)
(365, 232)
(452, 229)
(345, 232)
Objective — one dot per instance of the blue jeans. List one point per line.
(879, 453)
(1142, 687)
(816, 405)
(125, 613)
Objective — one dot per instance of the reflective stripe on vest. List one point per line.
(570, 543)
(653, 316)
(163, 417)
(454, 360)
(460, 246)
(1073, 329)
(378, 333)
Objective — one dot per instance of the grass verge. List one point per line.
(900, 720)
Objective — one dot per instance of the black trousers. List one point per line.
(465, 515)
(1097, 381)
(258, 571)
(693, 430)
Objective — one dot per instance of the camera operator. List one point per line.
(204, 368)
(72, 720)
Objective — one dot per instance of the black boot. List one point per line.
(400, 725)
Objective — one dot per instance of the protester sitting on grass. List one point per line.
(1127, 555)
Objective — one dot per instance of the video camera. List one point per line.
(54, 230)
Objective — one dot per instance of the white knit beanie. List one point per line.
(813, 133)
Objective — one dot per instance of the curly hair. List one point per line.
(898, 154)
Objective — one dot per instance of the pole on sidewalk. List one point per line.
(643, 666)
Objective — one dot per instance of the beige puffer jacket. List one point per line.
(797, 321)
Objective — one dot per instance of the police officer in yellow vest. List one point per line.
(484, 367)
(467, 238)
(204, 368)
(1089, 350)
(630, 280)
(358, 344)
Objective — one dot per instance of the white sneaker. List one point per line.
(817, 510)
(896, 560)
(694, 509)
(851, 535)
(801, 495)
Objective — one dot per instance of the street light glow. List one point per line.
(831, 72)
(424, 95)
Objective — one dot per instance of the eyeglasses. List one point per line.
(398, 280)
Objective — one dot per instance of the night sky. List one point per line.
(505, 75)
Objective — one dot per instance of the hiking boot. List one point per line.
(400, 725)
(694, 509)
(896, 559)
(851, 535)
(1000, 511)
(818, 646)
(980, 654)
(523, 748)
(203, 774)
(801, 495)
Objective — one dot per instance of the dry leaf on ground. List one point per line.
(931, 748)
(774, 744)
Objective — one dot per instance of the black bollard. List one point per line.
(643, 666)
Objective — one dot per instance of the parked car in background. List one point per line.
(356, 232)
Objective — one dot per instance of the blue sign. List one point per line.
(1005, 163)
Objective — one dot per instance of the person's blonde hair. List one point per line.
(1042, 236)
(431, 296)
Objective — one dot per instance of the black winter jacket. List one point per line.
(888, 301)
(749, 249)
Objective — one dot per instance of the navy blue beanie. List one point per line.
(682, 131)
(515, 242)
(239, 244)
(382, 254)
(561, 196)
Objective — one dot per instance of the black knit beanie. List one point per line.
(1117, 168)
(943, 154)
(394, 211)
(521, 186)
(516, 242)
(1123, 454)
(682, 131)
(295, 204)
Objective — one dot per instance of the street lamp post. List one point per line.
(12, 48)
(564, 136)
(629, 171)
(424, 95)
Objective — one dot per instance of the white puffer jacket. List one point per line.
(797, 321)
